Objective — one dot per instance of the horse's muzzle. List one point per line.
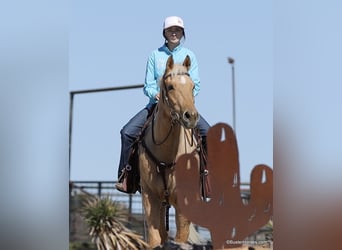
(190, 119)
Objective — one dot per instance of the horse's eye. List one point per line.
(170, 87)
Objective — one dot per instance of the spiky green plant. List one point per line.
(106, 219)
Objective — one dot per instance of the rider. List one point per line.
(173, 33)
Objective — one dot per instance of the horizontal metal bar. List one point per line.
(106, 89)
(93, 182)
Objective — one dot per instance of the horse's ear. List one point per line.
(187, 62)
(169, 63)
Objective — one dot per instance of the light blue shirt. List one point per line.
(156, 65)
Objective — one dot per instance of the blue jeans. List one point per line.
(131, 131)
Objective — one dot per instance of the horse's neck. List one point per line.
(171, 139)
(166, 135)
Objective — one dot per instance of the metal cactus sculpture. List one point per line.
(229, 220)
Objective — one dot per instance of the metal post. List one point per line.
(71, 107)
(99, 189)
(231, 62)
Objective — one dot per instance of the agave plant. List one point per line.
(106, 219)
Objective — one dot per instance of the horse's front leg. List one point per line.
(183, 225)
(152, 213)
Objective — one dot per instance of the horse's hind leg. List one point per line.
(183, 225)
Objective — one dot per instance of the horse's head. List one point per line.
(177, 93)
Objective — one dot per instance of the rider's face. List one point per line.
(174, 34)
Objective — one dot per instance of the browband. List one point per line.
(178, 74)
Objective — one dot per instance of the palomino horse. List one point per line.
(169, 135)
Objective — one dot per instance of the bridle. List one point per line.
(175, 118)
(165, 97)
(174, 115)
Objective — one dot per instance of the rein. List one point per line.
(167, 136)
(154, 158)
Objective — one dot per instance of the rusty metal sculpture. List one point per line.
(229, 220)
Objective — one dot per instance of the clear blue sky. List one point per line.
(109, 45)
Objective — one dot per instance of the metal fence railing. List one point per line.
(133, 202)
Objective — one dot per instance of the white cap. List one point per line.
(173, 21)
